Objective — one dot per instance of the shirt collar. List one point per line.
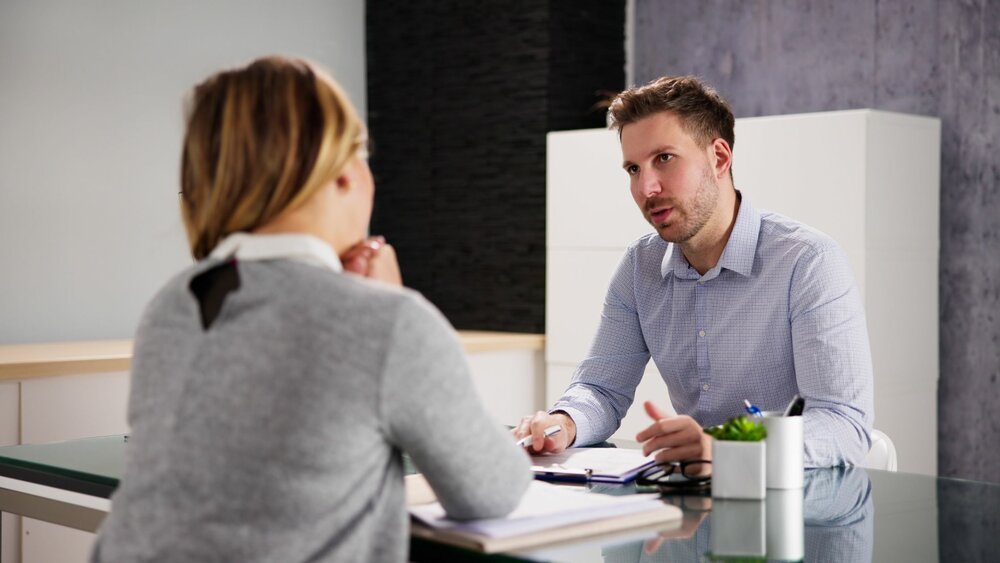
(291, 246)
(737, 256)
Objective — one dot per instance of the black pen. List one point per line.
(795, 407)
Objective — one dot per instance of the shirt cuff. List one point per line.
(584, 433)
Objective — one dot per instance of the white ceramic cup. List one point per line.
(785, 469)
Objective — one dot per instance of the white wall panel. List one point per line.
(92, 114)
(588, 203)
(810, 168)
(576, 281)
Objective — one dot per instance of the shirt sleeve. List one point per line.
(433, 412)
(833, 365)
(603, 385)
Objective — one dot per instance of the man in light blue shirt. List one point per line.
(731, 303)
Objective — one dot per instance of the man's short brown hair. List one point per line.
(702, 111)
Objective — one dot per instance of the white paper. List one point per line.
(543, 506)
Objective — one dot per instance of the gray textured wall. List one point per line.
(915, 56)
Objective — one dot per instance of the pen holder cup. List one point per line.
(785, 469)
(738, 469)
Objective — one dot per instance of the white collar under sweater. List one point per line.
(292, 246)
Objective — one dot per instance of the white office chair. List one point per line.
(883, 453)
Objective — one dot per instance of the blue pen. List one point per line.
(752, 408)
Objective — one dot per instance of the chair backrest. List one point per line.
(883, 453)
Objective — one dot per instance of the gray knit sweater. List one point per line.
(277, 433)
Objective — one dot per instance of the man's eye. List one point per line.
(631, 169)
(664, 157)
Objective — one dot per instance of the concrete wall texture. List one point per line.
(922, 57)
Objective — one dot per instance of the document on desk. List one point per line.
(547, 513)
(601, 465)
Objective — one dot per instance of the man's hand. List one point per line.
(373, 258)
(674, 438)
(535, 425)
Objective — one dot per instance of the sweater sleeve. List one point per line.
(433, 412)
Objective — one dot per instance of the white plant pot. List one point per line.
(738, 469)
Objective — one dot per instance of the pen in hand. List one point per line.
(527, 441)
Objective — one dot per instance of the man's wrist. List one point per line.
(568, 423)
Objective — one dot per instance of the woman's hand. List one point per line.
(373, 258)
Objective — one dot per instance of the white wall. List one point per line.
(90, 130)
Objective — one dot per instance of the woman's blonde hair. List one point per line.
(261, 140)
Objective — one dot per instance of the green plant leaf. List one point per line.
(739, 428)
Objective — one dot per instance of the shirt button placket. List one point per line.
(701, 318)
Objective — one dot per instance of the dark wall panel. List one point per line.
(460, 97)
(921, 56)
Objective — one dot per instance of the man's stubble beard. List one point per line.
(700, 212)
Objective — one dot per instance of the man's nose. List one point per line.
(649, 184)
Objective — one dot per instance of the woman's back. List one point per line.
(273, 434)
(272, 393)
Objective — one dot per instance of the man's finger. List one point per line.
(681, 437)
(538, 425)
(679, 453)
(654, 412)
(522, 428)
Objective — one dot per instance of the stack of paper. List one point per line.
(602, 465)
(547, 513)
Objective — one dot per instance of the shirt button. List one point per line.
(701, 333)
(705, 387)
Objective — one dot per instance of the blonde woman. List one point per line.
(273, 394)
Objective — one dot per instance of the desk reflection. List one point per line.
(836, 514)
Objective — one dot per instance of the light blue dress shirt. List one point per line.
(779, 314)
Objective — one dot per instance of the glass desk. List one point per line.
(842, 514)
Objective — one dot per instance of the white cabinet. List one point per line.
(869, 179)
(64, 408)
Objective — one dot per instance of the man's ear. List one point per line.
(723, 157)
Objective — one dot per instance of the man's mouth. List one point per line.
(660, 214)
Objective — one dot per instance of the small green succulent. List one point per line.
(738, 428)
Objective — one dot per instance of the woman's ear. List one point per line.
(349, 177)
(344, 180)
